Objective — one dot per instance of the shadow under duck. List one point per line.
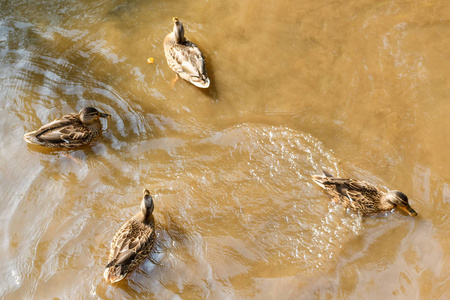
(362, 196)
(132, 243)
(69, 131)
(184, 57)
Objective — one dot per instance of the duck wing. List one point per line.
(189, 58)
(354, 190)
(66, 129)
(131, 244)
(358, 195)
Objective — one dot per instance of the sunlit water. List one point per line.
(359, 89)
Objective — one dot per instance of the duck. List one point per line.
(184, 57)
(132, 243)
(69, 131)
(361, 196)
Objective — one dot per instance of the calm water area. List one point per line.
(359, 88)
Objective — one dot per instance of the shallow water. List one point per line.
(358, 88)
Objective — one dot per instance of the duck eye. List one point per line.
(402, 202)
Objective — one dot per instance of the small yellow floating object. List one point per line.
(150, 60)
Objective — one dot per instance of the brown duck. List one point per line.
(184, 57)
(132, 243)
(70, 131)
(362, 196)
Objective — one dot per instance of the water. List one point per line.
(359, 89)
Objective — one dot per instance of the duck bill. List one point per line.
(409, 210)
(103, 115)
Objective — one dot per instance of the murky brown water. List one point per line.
(360, 88)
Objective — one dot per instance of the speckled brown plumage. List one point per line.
(184, 57)
(69, 131)
(132, 243)
(362, 196)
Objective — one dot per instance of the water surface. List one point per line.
(358, 88)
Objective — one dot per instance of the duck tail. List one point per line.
(322, 179)
(31, 138)
(319, 179)
(112, 274)
(200, 82)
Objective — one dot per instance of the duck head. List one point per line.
(90, 114)
(400, 200)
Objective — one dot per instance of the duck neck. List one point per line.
(147, 210)
(178, 31)
(386, 203)
(95, 126)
